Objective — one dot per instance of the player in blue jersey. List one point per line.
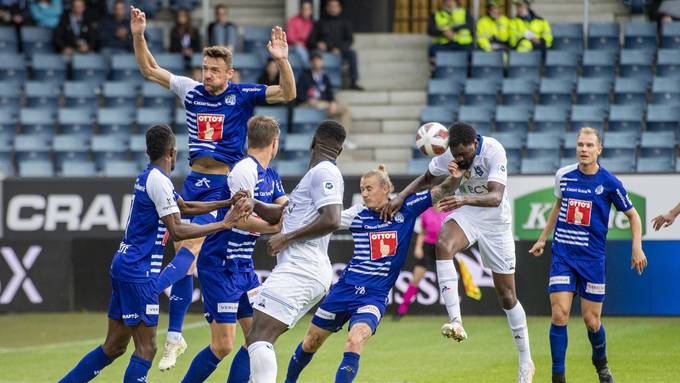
(154, 218)
(217, 112)
(361, 294)
(585, 192)
(225, 266)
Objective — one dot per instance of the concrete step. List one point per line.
(406, 97)
(401, 126)
(394, 68)
(390, 55)
(249, 3)
(393, 154)
(365, 126)
(381, 40)
(357, 154)
(386, 112)
(383, 140)
(357, 168)
(416, 82)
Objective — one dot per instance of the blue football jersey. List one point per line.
(140, 254)
(380, 248)
(233, 249)
(582, 224)
(217, 125)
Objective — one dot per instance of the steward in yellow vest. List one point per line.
(493, 30)
(528, 31)
(451, 28)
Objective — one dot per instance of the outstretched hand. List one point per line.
(137, 21)
(278, 45)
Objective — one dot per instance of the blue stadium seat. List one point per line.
(488, 66)
(32, 147)
(599, 64)
(115, 121)
(109, 148)
(10, 96)
(37, 121)
(75, 121)
(120, 94)
(593, 91)
(173, 62)
(525, 65)
(562, 64)
(180, 121)
(154, 38)
(280, 113)
(138, 150)
(555, 92)
(663, 117)
(249, 66)
(8, 39)
(124, 68)
(604, 36)
(36, 40)
(332, 64)
(78, 169)
(671, 35)
(588, 116)
(543, 144)
(176, 5)
(297, 146)
(89, 67)
(443, 92)
(639, 35)
(80, 95)
(550, 118)
(451, 65)
(631, 91)
(479, 116)
(42, 95)
(511, 140)
(481, 92)
(49, 68)
(287, 168)
(567, 37)
(36, 168)
(636, 63)
(8, 122)
(658, 145)
(620, 144)
(12, 68)
(116, 168)
(155, 95)
(518, 92)
(538, 166)
(626, 118)
(70, 147)
(512, 119)
(666, 91)
(654, 165)
(147, 117)
(7, 168)
(668, 63)
(618, 165)
(255, 38)
(418, 166)
(306, 119)
(442, 114)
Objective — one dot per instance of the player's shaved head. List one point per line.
(331, 134)
(262, 131)
(159, 141)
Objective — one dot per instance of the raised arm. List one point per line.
(147, 64)
(419, 184)
(538, 247)
(327, 222)
(445, 189)
(181, 231)
(278, 49)
(199, 208)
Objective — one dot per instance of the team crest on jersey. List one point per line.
(599, 189)
(578, 212)
(230, 99)
(399, 218)
(328, 187)
(383, 244)
(210, 126)
(479, 171)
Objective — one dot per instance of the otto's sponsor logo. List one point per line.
(578, 212)
(383, 244)
(152, 310)
(20, 279)
(210, 126)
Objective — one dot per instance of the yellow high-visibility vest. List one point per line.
(489, 29)
(447, 20)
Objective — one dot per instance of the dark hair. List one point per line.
(261, 131)
(220, 52)
(461, 133)
(159, 140)
(330, 133)
(220, 6)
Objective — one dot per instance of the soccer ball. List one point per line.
(432, 139)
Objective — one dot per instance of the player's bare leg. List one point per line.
(239, 372)
(451, 240)
(260, 340)
(118, 337)
(356, 339)
(517, 320)
(560, 303)
(145, 349)
(314, 339)
(592, 312)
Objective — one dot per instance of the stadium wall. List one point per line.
(58, 239)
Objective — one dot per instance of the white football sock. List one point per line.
(174, 337)
(517, 320)
(262, 362)
(448, 288)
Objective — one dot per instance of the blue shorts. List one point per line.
(205, 187)
(134, 302)
(346, 302)
(585, 277)
(227, 295)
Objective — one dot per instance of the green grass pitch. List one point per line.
(43, 347)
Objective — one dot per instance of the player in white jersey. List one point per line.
(303, 273)
(482, 215)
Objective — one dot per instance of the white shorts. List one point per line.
(496, 243)
(288, 296)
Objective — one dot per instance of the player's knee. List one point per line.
(113, 351)
(507, 298)
(146, 351)
(560, 315)
(193, 245)
(222, 348)
(592, 322)
(445, 248)
(311, 343)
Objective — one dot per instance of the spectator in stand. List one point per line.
(333, 33)
(668, 11)
(298, 30)
(184, 38)
(75, 32)
(222, 31)
(493, 29)
(46, 13)
(528, 31)
(451, 28)
(270, 74)
(14, 12)
(315, 90)
(113, 33)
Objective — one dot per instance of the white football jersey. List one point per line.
(489, 164)
(321, 186)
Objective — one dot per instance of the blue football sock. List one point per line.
(558, 347)
(348, 369)
(88, 367)
(137, 370)
(202, 366)
(175, 270)
(598, 341)
(298, 362)
(180, 300)
(240, 367)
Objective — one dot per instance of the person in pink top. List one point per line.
(298, 30)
